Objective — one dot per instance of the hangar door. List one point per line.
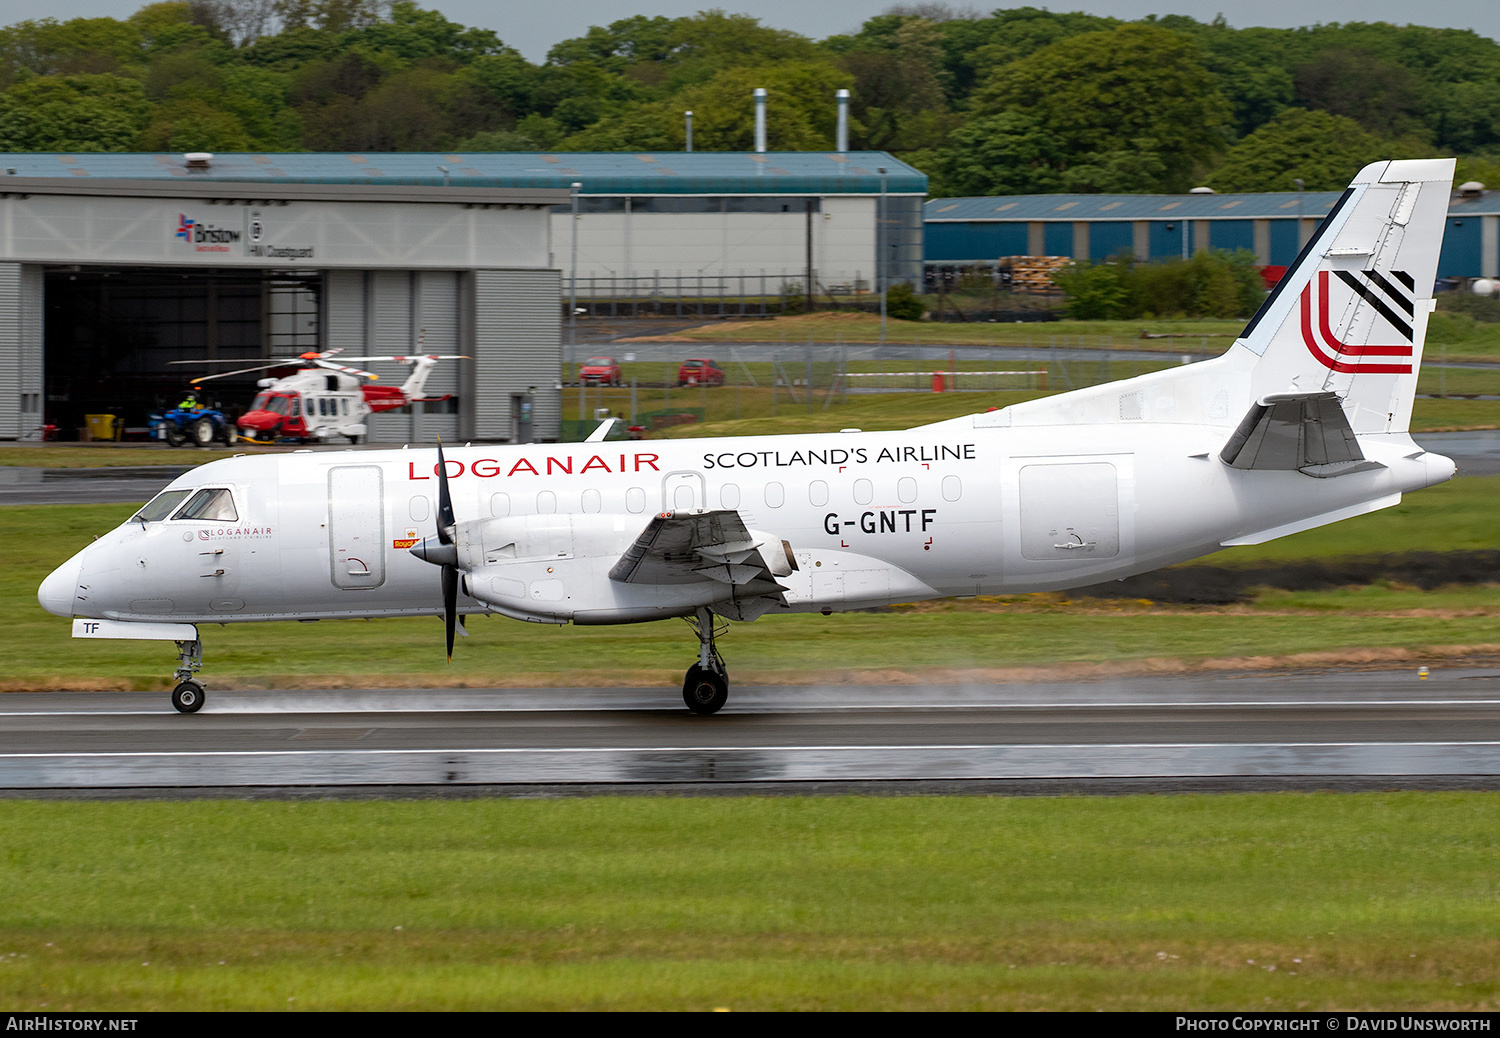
(20, 351)
(111, 334)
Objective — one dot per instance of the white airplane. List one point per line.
(1302, 422)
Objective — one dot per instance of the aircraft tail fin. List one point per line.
(1350, 316)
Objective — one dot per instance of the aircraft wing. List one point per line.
(701, 544)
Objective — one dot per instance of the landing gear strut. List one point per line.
(706, 686)
(188, 696)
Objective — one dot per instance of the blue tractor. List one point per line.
(191, 423)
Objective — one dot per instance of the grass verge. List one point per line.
(1271, 902)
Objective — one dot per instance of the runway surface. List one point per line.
(1151, 729)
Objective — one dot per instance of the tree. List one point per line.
(72, 113)
(1131, 109)
(1323, 150)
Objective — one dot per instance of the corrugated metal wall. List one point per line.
(517, 348)
(20, 351)
(387, 312)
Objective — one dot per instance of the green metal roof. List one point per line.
(600, 173)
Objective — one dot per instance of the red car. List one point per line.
(699, 372)
(602, 371)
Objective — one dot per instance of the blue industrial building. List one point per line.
(979, 231)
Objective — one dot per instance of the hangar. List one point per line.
(112, 265)
(1274, 226)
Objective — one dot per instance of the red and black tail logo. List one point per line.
(1390, 296)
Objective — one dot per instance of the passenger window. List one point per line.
(160, 506)
(546, 502)
(906, 490)
(419, 508)
(591, 500)
(864, 491)
(500, 505)
(635, 500)
(775, 495)
(817, 492)
(953, 488)
(216, 504)
(729, 496)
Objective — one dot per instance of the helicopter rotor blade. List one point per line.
(227, 374)
(345, 369)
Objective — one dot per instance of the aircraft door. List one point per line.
(682, 490)
(1070, 511)
(356, 526)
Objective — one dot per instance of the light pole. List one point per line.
(1301, 186)
(880, 254)
(573, 281)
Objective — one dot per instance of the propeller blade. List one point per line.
(450, 604)
(446, 524)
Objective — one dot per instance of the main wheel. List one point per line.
(704, 691)
(203, 432)
(188, 697)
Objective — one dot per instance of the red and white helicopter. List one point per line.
(327, 399)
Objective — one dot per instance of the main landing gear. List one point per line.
(188, 696)
(706, 686)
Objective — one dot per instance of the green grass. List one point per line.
(860, 327)
(1272, 902)
(983, 637)
(1455, 516)
(742, 411)
(90, 456)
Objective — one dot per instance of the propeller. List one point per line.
(444, 553)
(447, 526)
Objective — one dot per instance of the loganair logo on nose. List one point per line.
(205, 237)
(234, 533)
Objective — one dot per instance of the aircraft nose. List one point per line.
(61, 586)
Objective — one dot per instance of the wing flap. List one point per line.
(694, 545)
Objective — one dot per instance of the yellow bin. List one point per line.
(101, 426)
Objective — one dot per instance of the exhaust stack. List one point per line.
(843, 133)
(760, 119)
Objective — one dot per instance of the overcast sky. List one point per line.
(532, 28)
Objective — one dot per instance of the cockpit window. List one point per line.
(160, 506)
(212, 503)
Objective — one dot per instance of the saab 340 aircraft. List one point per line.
(1302, 422)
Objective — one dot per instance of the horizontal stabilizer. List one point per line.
(1296, 432)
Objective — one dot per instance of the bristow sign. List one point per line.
(205, 237)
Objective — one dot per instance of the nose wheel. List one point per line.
(705, 689)
(188, 696)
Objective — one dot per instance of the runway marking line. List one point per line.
(792, 708)
(763, 749)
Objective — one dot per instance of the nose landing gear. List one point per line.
(706, 686)
(188, 696)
